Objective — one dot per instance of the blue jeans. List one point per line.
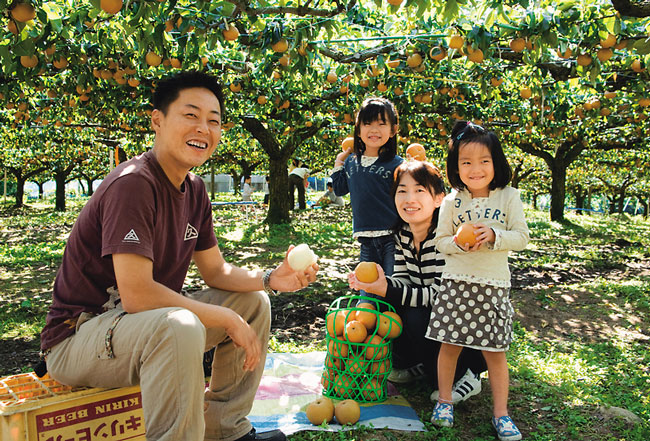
(380, 250)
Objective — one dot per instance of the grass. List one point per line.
(581, 291)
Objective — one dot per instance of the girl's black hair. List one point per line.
(465, 132)
(428, 176)
(373, 109)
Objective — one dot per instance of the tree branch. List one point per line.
(639, 8)
(305, 133)
(530, 148)
(263, 135)
(629, 144)
(357, 56)
(302, 11)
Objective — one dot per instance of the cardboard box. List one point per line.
(41, 409)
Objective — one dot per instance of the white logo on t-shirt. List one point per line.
(131, 237)
(191, 232)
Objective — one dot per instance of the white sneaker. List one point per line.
(468, 386)
(403, 376)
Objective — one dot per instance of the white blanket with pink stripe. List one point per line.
(292, 381)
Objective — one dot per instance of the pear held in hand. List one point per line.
(301, 257)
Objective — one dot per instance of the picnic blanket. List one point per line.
(292, 381)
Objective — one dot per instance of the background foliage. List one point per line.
(564, 84)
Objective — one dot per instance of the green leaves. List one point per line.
(612, 26)
(450, 10)
(642, 46)
(25, 47)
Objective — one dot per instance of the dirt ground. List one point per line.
(557, 314)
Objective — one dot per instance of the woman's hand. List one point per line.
(378, 287)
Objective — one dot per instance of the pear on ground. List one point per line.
(320, 411)
(347, 412)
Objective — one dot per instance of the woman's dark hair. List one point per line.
(373, 109)
(167, 90)
(426, 175)
(465, 132)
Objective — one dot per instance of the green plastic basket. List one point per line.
(356, 369)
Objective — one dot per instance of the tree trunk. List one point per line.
(558, 190)
(121, 155)
(535, 201)
(278, 156)
(81, 184)
(236, 181)
(580, 202)
(41, 190)
(89, 182)
(580, 196)
(644, 204)
(565, 154)
(20, 190)
(278, 192)
(621, 201)
(59, 179)
(514, 182)
(21, 178)
(611, 202)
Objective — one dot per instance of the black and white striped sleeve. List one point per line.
(416, 279)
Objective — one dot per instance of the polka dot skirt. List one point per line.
(473, 315)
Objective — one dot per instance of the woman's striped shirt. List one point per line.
(416, 276)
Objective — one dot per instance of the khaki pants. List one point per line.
(162, 351)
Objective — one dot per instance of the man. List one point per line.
(330, 198)
(298, 179)
(118, 316)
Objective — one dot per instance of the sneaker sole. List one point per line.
(442, 423)
(507, 437)
(404, 380)
(400, 380)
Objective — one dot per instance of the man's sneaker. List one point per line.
(468, 386)
(506, 428)
(403, 376)
(273, 435)
(443, 415)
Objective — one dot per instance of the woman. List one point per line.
(418, 192)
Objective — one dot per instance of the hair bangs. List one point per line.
(374, 111)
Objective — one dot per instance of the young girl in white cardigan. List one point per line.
(473, 307)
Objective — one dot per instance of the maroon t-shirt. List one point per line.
(135, 210)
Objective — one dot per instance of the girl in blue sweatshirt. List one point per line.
(368, 176)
